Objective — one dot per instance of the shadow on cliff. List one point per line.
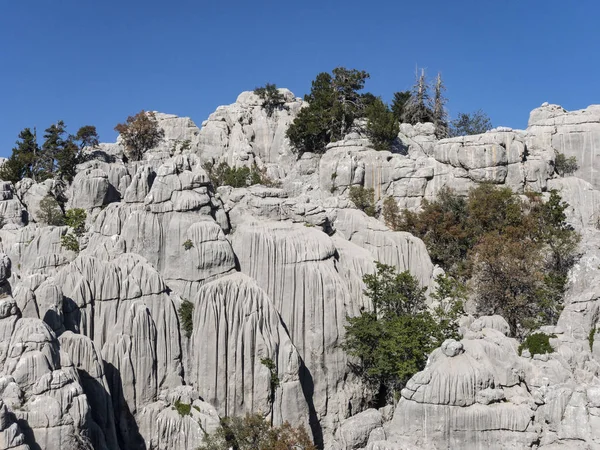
(308, 389)
(128, 433)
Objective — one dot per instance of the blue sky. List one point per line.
(96, 62)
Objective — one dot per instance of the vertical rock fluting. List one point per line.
(237, 334)
(296, 266)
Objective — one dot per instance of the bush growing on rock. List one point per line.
(75, 218)
(514, 253)
(140, 133)
(237, 177)
(184, 409)
(391, 213)
(537, 344)
(363, 199)
(186, 315)
(272, 98)
(274, 380)
(50, 211)
(565, 166)
(253, 432)
(467, 124)
(69, 241)
(391, 342)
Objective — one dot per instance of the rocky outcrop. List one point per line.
(41, 387)
(572, 133)
(243, 360)
(243, 134)
(94, 352)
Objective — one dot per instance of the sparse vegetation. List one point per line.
(565, 166)
(140, 133)
(591, 337)
(467, 124)
(237, 177)
(188, 245)
(69, 241)
(50, 211)
(274, 380)
(333, 104)
(391, 213)
(272, 98)
(537, 344)
(75, 218)
(186, 315)
(57, 157)
(253, 432)
(363, 199)
(184, 409)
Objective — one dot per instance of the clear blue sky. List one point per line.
(96, 62)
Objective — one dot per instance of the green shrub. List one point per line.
(274, 381)
(184, 409)
(334, 103)
(186, 314)
(515, 253)
(50, 212)
(272, 98)
(565, 166)
(253, 432)
(237, 177)
(75, 218)
(537, 344)
(139, 134)
(363, 199)
(591, 336)
(391, 342)
(69, 241)
(391, 213)
(187, 245)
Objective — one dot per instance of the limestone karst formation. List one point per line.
(93, 353)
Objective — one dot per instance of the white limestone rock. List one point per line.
(236, 329)
(242, 134)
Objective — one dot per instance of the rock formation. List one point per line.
(94, 352)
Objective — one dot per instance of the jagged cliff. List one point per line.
(92, 350)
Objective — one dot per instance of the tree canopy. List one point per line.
(515, 253)
(140, 133)
(467, 124)
(334, 103)
(253, 432)
(272, 98)
(391, 341)
(58, 155)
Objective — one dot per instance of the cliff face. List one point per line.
(92, 349)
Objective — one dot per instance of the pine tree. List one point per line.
(418, 109)
(440, 116)
(54, 143)
(382, 125)
(399, 103)
(333, 104)
(21, 163)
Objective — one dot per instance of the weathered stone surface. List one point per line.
(573, 133)
(158, 232)
(237, 332)
(242, 134)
